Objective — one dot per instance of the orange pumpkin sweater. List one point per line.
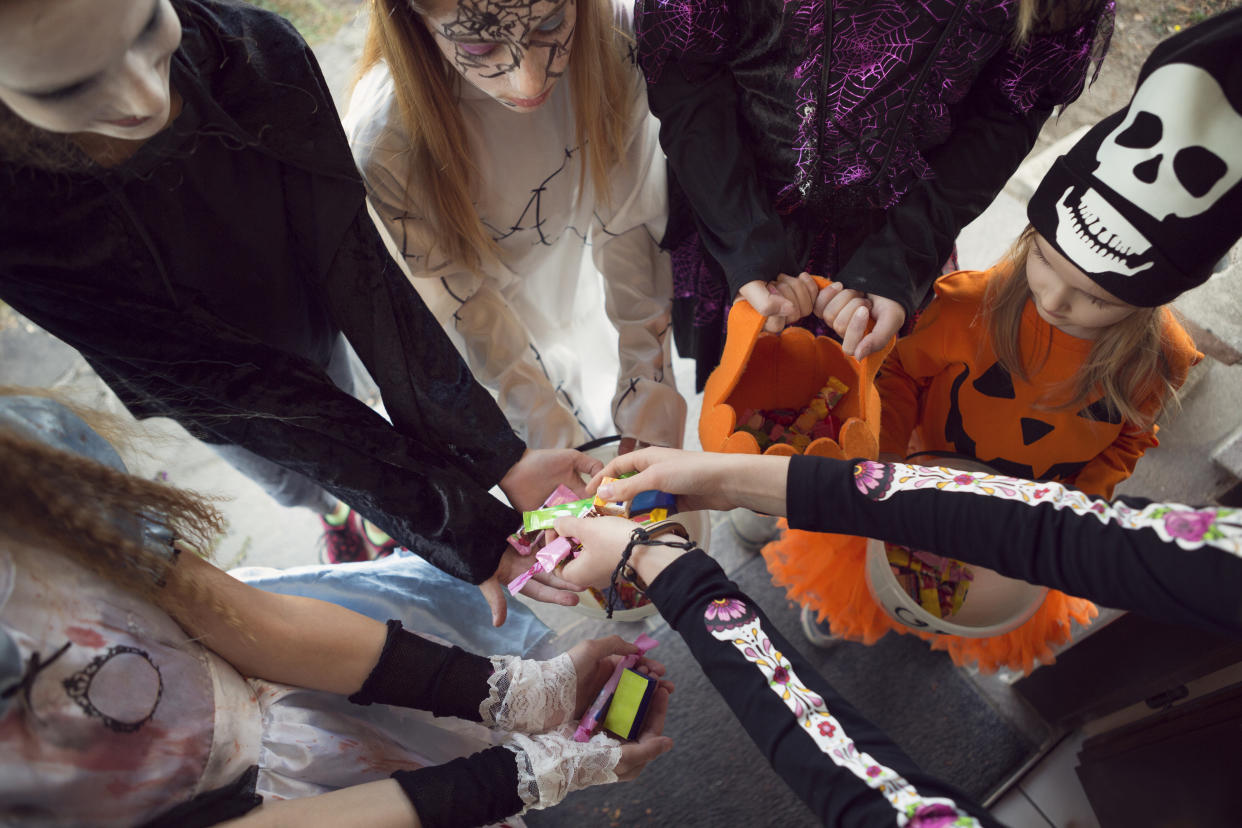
(943, 385)
(943, 390)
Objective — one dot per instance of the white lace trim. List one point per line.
(552, 765)
(527, 696)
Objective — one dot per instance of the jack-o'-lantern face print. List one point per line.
(1007, 425)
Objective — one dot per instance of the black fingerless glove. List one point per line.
(415, 672)
(475, 790)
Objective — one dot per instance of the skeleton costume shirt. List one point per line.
(532, 323)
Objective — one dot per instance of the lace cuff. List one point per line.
(552, 765)
(527, 696)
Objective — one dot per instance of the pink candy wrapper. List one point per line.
(562, 494)
(546, 560)
(520, 544)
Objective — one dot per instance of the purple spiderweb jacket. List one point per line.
(854, 138)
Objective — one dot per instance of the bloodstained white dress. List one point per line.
(135, 718)
(111, 715)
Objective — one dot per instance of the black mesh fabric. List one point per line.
(475, 790)
(415, 672)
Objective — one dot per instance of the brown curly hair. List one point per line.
(92, 514)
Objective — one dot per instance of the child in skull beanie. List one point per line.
(1053, 364)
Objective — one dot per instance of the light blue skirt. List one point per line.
(423, 598)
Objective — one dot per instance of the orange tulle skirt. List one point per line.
(828, 573)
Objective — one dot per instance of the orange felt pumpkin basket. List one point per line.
(760, 370)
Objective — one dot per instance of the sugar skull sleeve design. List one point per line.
(732, 621)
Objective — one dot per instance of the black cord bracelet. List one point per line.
(644, 536)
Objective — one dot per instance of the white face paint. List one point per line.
(1178, 150)
(89, 66)
(512, 50)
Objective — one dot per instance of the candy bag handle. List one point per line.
(741, 332)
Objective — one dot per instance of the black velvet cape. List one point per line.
(80, 255)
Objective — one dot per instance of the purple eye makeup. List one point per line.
(476, 49)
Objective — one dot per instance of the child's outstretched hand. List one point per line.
(701, 480)
(603, 540)
(783, 300)
(562, 765)
(849, 312)
(530, 480)
(594, 661)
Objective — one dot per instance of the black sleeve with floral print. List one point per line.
(847, 771)
(1173, 562)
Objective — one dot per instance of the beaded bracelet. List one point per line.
(644, 536)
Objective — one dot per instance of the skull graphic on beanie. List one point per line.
(1149, 199)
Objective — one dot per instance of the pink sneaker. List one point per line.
(342, 543)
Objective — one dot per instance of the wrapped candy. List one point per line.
(630, 703)
(616, 508)
(561, 495)
(938, 584)
(546, 560)
(646, 507)
(631, 597)
(833, 391)
(545, 517)
(797, 428)
(653, 499)
(520, 544)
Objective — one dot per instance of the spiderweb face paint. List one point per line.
(513, 50)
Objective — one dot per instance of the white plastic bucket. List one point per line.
(994, 604)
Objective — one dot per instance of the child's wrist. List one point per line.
(650, 561)
(756, 483)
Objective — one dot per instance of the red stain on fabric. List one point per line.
(386, 765)
(84, 637)
(119, 787)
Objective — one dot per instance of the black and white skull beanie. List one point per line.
(1151, 197)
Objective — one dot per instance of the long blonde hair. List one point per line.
(1128, 365)
(426, 90)
(1024, 21)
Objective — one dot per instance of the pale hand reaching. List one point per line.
(784, 300)
(849, 313)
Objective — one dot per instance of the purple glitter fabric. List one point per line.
(897, 68)
(695, 281)
(834, 148)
